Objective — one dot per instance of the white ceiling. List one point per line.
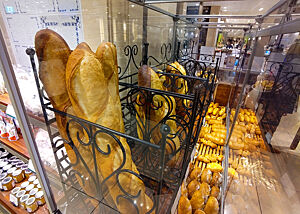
(243, 7)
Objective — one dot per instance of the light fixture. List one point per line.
(261, 9)
(132, 5)
(197, 4)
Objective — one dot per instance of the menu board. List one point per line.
(23, 19)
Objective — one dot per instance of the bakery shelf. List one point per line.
(17, 148)
(10, 208)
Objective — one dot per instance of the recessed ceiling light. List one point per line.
(261, 9)
(225, 7)
(197, 4)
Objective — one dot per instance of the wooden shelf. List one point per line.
(4, 99)
(4, 201)
(16, 147)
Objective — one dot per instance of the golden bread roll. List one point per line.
(215, 192)
(204, 190)
(214, 167)
(216, 179)
(196, 173)
(214, 121)
(199, 212)
(206, 176)
(184, 191)
(216, 111)
(197, 200)
(192, 187)
(212, 206)
(214, 139)
(184, 206)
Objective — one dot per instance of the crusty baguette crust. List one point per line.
(53, 53)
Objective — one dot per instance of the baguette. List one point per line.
(92, 89)
(166, 111)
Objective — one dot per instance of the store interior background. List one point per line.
(121, 23)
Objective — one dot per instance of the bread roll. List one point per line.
(206, 176)
(196, 173)
(215, 192)
(199, 212)
(184, 206)
(197, 200)
(192, 187)
(216, 179)
(205, 190)
(212, 206)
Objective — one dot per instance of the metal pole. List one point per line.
(174, 38)
(17, 102)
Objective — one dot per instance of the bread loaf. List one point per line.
(94, 96)
(53, 52)
(85, 84)
(161, 110)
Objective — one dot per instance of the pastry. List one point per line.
(214, 167)
(216, 179)
(215, 192)
(195, 174)
(212, 206)
(184, 191)
(184, 206)
(197, 200)
(192, 187)
(199, 212)
(206, 176)
(204, 190)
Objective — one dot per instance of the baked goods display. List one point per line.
(85, 84)
(205, 177)
(250, 171)
(161, 109)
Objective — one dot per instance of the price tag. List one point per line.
(13, 199)
(10, 111)
(30, 165)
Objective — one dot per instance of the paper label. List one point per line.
(10, 111)
(13, 199)
(30, 165)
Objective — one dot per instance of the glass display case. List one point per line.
(122, 108)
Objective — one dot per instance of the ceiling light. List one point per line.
(197, 4)
(225, 10)
(261, 9)
(225, 7)
(132, 5)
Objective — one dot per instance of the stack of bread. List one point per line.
(85, 84)
(200, 193)
(248, 161)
